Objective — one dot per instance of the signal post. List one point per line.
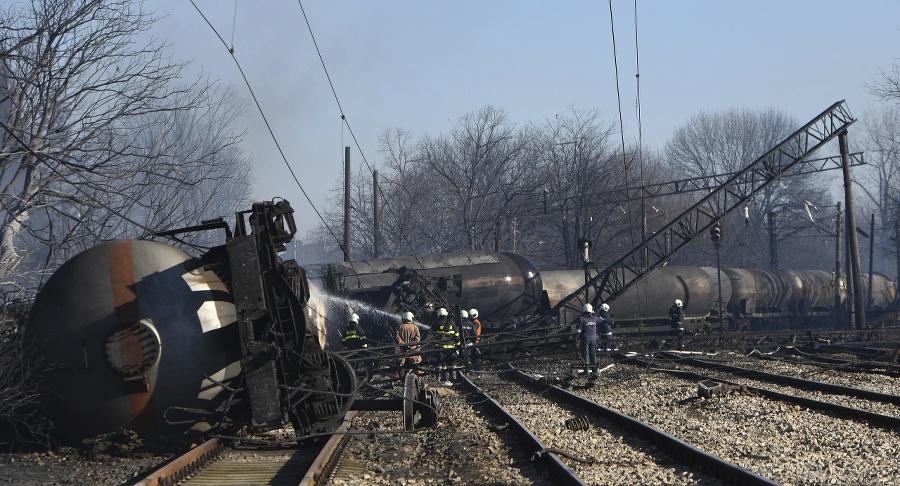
(715, 234)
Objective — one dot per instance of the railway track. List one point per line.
(787, 439)
(222, 462)
(647, 425)
(643, 453)
(833, 359)
(709, 385)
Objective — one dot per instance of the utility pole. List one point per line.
(838, 310)
(871, 300)
(376, 217)
(897, 248)
(859, 313)
(773, 243)
(645, 257)
(346, 204)
(584, 247)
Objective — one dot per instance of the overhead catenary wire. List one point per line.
(262, 114)
(231, 51)
(619, 104)
(640, 150)
(346, 123)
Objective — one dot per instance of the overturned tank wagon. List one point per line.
(140, 335)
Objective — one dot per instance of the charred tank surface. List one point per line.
(497, 284)
(138, 334)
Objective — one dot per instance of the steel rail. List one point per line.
(175, 470)
(728, 472)
(563, 474)
(814, 358)
(324, 464)
(204, 464)
(786, 380)
(843, 410)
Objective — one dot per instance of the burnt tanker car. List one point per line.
(500, 285)
(138, 334)
(752, 298)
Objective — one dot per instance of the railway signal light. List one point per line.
(715, 233)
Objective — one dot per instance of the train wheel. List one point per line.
(323, 393)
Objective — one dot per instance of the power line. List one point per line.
(346, 122)
(619, 101)
(263, 115)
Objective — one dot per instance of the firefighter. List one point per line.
(587, 336)
(473, 316)
(605, 326)
(676, 318)
(446, 340)
(354, 338)
(467, 335)
(408, 337)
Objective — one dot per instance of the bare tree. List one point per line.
(99, 137)
(887, 87)
(480, 173)
(578, 164)
(879, 179)
(491, 183)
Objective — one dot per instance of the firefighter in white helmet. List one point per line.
(676, 319)
(473, 316)
(604, 327)
(408, 337)
(587, 336)
(446, 338)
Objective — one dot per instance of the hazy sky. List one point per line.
(421, 65)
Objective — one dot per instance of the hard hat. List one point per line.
(463, 314)
(473, 313)
(588, 308)
(407, 316)
(354, 318)
(677, 302)
(442, 312)
(604, 306)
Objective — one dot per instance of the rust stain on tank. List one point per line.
(127, 311)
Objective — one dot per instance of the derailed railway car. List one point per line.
(499, 284)
(138, 334)
(507, 287)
